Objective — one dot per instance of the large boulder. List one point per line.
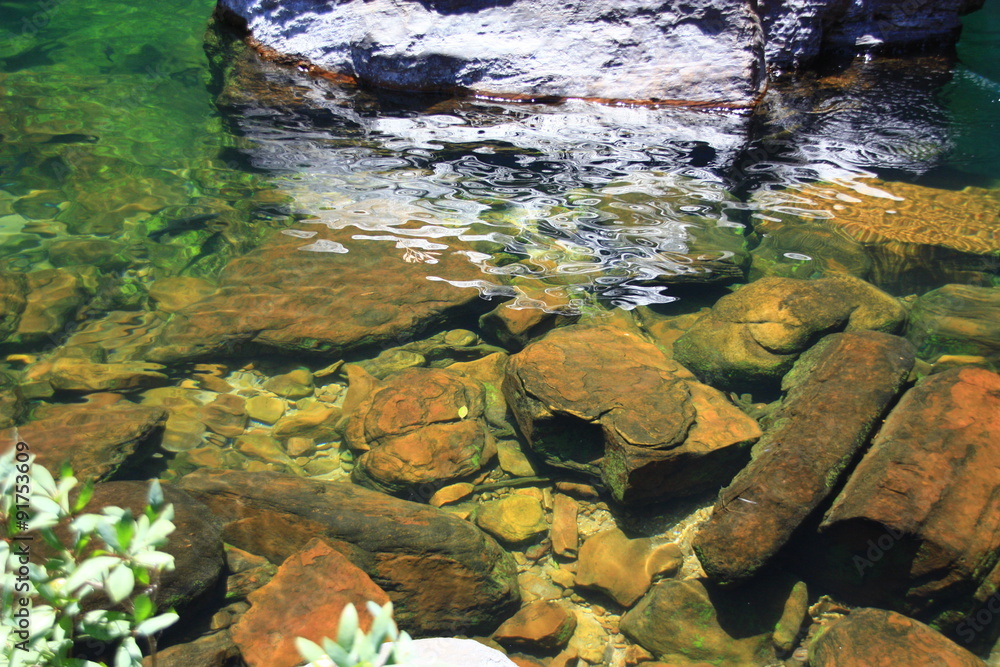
(304, 599)
(914, 527)
(880, 638)
(422, 426)
(302, 295)
(751, 338)
(602, 400)
(700, 52)
(692, 621)
(837, 392)
(797, 31)
(96, 437)
(443, 574)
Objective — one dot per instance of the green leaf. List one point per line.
(120, 583)
(86, 493)
(128, 654)
(156, 624)
(348, 626)
(309, 650)
(125, 530)
(463, 412)
(142, 607)
(155, 495)
(92, 569)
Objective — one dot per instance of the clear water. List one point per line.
(115, 125)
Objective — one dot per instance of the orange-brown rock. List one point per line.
(880, 638)
(96, 437)
(623, 568)
(286, 296)
(916, 526)
(751, 338)
(443, 574)
(564, 532)
(836, 393)
(421, 426)
(541, 625)
(304, 599)
(602, 400)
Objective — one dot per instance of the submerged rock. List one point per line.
(422, 426)
(644, 50)
(604, 401)
(442, 574)
(751, 338)
(914, 527)
(96, 437)
(514, 519)
(623, 568)
(694, 621)
(283, 298)
(836, 393)
(880, 638)
(304, 599)
(956, 320)
(542, 625)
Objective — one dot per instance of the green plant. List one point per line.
(382, 645)
(112, 553)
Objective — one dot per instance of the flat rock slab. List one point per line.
(96, 437)
(751, 338)
(304, 599)
(423, 426)
(837, 392)
(647, 50)
(602, 400)
(916, 526)
(880, 638)
(286, 296)
(442, 574)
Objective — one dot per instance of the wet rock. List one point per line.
(96, 437)
(54, 296)
(623, 568)
(564, 533)
(176, 292)
(913, 529)
(264, 295)
(225, 415)
(317, 421)
(182, 433)
(792, 617)
(443, 574)
(293, 385)
(11, 401)
(82, 375)
(514, 519)
(534, 587)
(266, 409)
(513, 460)
(489, 371)
(589, 641)
(392, 361)
(704, 52)
(836, 393)
(196, 544)
(422, 426)
(956, 320)
(516, 324)
(691, 620)
(451, 494)
(751, 338)
(13, 289)
(214, 650)
(799, 31)
(542, 625)
(880, 638)
(304, 599)
(601, 400)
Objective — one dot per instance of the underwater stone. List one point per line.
(443, 574)
(751, 338)
(836, 393)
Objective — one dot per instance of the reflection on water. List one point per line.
(155, 161)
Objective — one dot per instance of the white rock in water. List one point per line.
(449, 652)
(699, 51)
